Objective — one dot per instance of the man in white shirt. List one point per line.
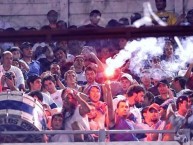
(49, 83)
(9, 72)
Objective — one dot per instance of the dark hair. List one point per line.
(63, 23)
(90, 69)
(182, 81)
(113, 23)
(121, 101)
(95, 12)
(36, 93)
(31, 79)
(57, 115)
(48, 78)
(26, 45)
(52, 12)
(124, 21)
(134, 17)
(59, 48)
(134, 89)
(180, 100)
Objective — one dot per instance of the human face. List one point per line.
(52, 17)
(90, 76)
(122, 42)
(94, 94)
(163, 89)
(168, 49)
(27, 52)
(71, 78)
(125, 83)
(153, 114)
(140, 97)
(7, 59)
(60, 55)
(79, 64)
(160, 5)
(105, 53)
(175, 85)
(55, 69)
(95, 19)
(122, 109)
(146, 80)
(49, 86)
(16, 54)
(184, 106)
(36, 85)
(57, 123)
(93, 112)
(68, 101)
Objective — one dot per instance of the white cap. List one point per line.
(128, 76)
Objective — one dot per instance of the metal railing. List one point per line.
(102, 133)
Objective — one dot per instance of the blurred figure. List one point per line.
(168, 17)
(52, 17)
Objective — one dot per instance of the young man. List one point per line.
(34, 83)
(165, 92)
(164, 15)
(135, 95)
(27, 57)
(122, 123)
(49, 83)
(94, 16)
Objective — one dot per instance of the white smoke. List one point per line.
(141, 51)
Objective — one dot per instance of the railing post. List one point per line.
(102, 135)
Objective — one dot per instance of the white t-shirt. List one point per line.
(76, 117)
(57, 98)
(19, 79)
(47, 100)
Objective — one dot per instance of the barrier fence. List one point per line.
(103, 133)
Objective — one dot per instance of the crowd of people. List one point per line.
(69, 80)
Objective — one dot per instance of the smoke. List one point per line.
(140, 52)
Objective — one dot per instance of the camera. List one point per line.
(9, 75)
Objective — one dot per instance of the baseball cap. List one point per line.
(163, 82)
(26, 45)
(14, 48)
(154, 106)
(127, 76)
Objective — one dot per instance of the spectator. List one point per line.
(95, 16)
(75, 111)
(164, 15)
(135, 95)
(189, 17)
(122, 123)
(34, 83)
(179, 84)
(49, 83)
(11, 76)
(79, 68)
(27, 57)
(165, 92)
(153, 113)
(52, 17)
(57, 123)
(61, 25)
